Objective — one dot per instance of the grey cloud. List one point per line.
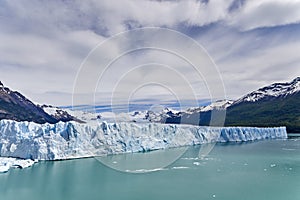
(43, 43)
(108, 18)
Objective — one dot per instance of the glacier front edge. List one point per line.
(29, 140)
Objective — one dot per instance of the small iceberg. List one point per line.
(7, 163)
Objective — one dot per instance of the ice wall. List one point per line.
(29, 140)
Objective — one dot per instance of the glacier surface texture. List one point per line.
(29, 140)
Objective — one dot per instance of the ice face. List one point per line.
(29, 140)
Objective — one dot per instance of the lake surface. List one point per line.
(260, 170)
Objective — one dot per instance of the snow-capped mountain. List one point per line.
(277, 104)
(274, 105)
(60, 114)
(15, 106)
(142, 116)
(167, 115)
(272, 91)
(160, 116)
(217, 105)
(139, 116)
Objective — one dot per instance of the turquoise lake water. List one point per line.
(260, 170)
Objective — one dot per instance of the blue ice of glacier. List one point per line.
(29, 140)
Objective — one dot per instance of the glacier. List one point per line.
(67, 140)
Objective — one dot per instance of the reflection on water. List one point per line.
(294, 135)
(267, 169)
(143, 162)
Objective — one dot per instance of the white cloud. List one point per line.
(111, 18)
(266, 13)
(43, 43)
(108, 18)
(155, 65)
(33, 63)
(116, 17)
(253, 65)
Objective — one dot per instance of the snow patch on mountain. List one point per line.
(217, 105)
(142, 116)
(60, 114)
(50, 109)
(272, 91)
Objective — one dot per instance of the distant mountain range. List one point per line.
(274, 105)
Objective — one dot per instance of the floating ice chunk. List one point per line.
(7, 163)
(145, 170)
(23, 163)
(180, 167)
(4, 168)
(273, 165)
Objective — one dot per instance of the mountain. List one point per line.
(139, 116)
(59, 114)
(200, 115)
(217, 105)
(273, 105)
(276, 90)
(161, 116)
(15, 106)
(165, 114)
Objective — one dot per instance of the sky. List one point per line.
(45, 46)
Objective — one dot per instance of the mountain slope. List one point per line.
(279, 112)
(59, 114)
(276, 105)
(15, 106)
(276, 90)
(202, 115)
(217, 105)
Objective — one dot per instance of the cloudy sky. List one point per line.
(46, 45)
